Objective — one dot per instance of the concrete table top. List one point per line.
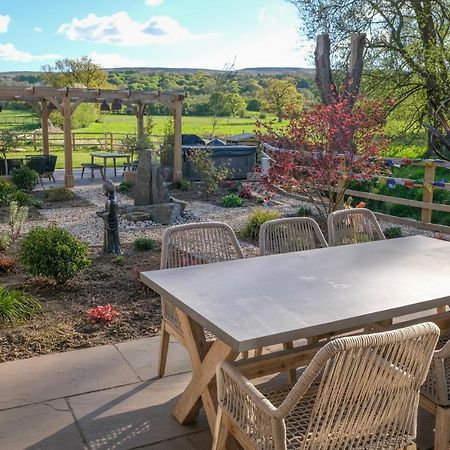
(267, 300)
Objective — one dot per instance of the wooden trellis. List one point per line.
(66, 100)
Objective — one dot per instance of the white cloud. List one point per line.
(121, 29)
(153, 2)
(10, 53)
(38, 29)
(4, 23)
(110, 60)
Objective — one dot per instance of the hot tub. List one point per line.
(239, 159)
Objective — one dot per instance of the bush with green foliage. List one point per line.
(17, 216)
(83, 116)
(6, 190)
(232, 201)
(393, 232)
(25, 179)
(124, 187)
(303, 212)
(119, 260)
(256, 219)
(60, 194)
(185, 185)
(144, 244)
(22, 198)
(54, 253)
(211, 175)
(16, 306)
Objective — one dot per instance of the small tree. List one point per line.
(203, 164)
(7, 145)
(325, 147)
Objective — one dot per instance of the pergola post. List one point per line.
(177, 151)
(44, 125)
(140, 107)
(69, 181)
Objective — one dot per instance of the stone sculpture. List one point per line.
(111, 240)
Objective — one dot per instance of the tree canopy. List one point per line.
(408, 48)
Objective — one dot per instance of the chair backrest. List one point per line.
(292, 234)
(51, 163)
(353, 226)
(198, 243)
(37, 163)
(368, 389)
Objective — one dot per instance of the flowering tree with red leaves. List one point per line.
(325, 147)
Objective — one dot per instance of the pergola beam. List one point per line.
(67, 99)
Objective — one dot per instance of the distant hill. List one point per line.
(307, 72)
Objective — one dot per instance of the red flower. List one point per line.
(102, 314)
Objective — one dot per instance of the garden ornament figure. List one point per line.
(111, 241)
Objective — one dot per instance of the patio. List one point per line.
(107, 397)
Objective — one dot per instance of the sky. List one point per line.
(152, 33)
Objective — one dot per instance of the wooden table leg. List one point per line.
(104, 165)
(204, 364)
(115, 169)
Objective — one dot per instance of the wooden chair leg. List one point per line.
(220, 432)
(442, 429)
(258, 351)
(163, 350)
(82, 172)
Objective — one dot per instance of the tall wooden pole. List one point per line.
(140, 119)
(177, 152)
(44, 125)
(68, 163)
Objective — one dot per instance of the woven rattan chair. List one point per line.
(292, 234)
(352, 226)
(435, 396)
(358, 392)
(188, 245)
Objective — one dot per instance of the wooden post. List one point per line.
(324, 78)
(428, 179)
(34, 141)
(177, 152)
(140, 107)
(73, 141)
(44, 125)
(111, 142)
(68, 163)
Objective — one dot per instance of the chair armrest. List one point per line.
(439, 360)
(249, 408)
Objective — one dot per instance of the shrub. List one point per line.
(232, 201)
(7, 264)
(17, 306)
(119, 260)
(6, 190)
(124, 187)
(303, 212)
(144, 244)
(25, 179)
(17, 216)
(5, 241)
(393, 232)
(259, 200)
(246, 192)
(60, 194)
(22, 198)
(102, 314)
(256, 219)
(185, 185)
(53, 253)
(211, 176)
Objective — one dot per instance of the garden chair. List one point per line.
(435, 393)
(353, 226)
(188, 245)
(287, 235)
(293, 234)
(358, 392)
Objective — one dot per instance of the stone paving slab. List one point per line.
(48, 377)
(47, 426)
(142, 355)
(133, 416)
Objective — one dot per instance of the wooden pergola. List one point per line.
(45, 99)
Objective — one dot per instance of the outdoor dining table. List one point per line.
(268, 300)
(109, 155)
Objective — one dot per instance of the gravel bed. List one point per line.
(83, 222)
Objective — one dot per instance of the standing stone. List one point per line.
(149, 187)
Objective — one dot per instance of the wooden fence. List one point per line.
(105, 141)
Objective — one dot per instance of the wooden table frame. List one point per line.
(114, 156)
